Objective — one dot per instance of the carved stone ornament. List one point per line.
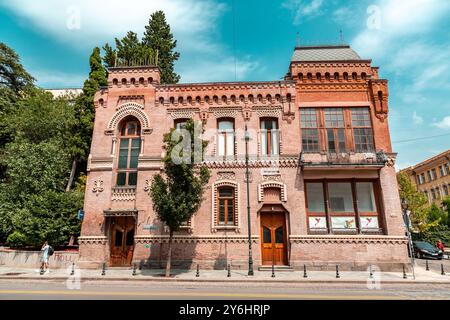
(98, 187)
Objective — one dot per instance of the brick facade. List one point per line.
(135, 93)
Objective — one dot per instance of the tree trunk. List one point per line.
(169, 254)
(72, 173)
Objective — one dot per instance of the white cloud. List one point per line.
(443, 124)
(304, 8)
(106, 19)
(193, 23)
(399, 19)
(417, 119)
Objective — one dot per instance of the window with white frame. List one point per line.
(226, 137)
(270, 137)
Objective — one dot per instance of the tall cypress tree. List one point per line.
(159, 37)
(85, 111)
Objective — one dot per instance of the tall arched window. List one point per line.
(129, 149)
(270, 137)
(225, 137)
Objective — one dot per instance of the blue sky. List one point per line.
(408, 39)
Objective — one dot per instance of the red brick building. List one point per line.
(323, 187)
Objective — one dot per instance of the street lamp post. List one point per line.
(247, 174)
(407, 222)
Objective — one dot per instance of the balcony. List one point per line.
(123, 194)
(346, 160)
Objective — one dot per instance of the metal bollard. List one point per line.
(304, 271)
(427, 267)
(73, 269)
(229, 271)
(198, 271)
(104, 269)
(370, 272)
(134, 269)
(404, 272)
(337, 272)
(442, 269)
(273, 270)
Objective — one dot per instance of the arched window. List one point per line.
(133, 81)
(226, 139)
(363, 76)
(141, 80)
(216, 99)
(124, 81)
(309, 76)
(270, 137)
(318, 76)
(300, 76)
(129, 149)
(115, 82)
(225, 203)
(345, 76)
(327, 76)
(354, 76)
(336, 76)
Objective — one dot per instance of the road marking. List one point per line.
(201, 294)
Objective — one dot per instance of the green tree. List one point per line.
(14, 84)
(417, 202)
(33, 203)
(178, 195)
(159, 37)
(129, 51)
(79, 141)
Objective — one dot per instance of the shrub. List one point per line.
(16, 239)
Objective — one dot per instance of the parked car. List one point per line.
(425, 250)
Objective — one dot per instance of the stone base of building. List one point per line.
(351, 253)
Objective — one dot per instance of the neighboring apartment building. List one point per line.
(323, 188)
(432, 177)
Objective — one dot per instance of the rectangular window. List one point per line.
(447, 169)
(442, 171)
(341, 198)
(226, 138)
(226, 205)
(270, 141)
(446, 192)
(315, 197)
(362, 130)
(334, 122)
(433, 174)
(363, 140)
(365, 197)
(310, 131)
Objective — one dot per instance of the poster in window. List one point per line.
(369, 223)
(345, 223)
(317, 223)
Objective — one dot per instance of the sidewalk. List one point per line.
(422, 276)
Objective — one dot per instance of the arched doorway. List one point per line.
(274, 235)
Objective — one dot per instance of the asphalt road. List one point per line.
(58, 290)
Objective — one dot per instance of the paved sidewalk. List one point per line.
(421, 276)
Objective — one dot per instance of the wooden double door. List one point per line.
(122, 241)
(273, 236)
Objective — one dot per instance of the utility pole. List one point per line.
(247, 175)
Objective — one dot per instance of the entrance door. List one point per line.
(122, 241)
(273, 235)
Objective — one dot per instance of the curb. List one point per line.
(162, 279)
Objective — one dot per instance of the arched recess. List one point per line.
(272, 184)
(125, 110)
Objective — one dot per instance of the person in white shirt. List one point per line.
(44, 264)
